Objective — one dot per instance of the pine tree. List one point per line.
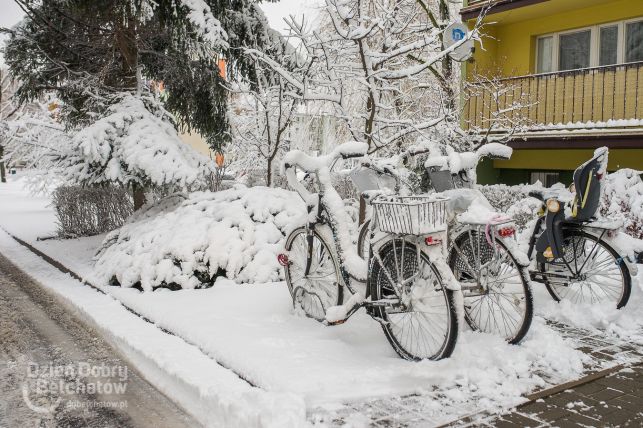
(87, 51)
(93, 54)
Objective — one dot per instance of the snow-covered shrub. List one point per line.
(86, 211)
(523, 211)
(186, 241)
(344, 186)
(502, 196)
(134, 143)
(515, 200)
(622, 198)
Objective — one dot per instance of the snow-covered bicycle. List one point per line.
(405, 284)
(483, 254)
(571, 247)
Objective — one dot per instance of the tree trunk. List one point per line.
(447, 62)
(269, 173)
(126, 40)
(3, 172)
(138, 194)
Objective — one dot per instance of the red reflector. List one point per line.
(506, 232)
(283, 259)
(429, 240)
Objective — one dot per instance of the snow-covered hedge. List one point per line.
(623, 199)
(513, 200)
(87, 211)
(186, 241)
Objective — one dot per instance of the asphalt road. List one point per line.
(57, 372)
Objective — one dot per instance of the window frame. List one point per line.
(594, 53)
(623, 33)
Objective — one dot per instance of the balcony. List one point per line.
(474, 7)
(599, 97)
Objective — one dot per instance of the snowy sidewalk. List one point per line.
(338, 371)
(614, 401)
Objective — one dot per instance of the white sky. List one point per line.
(10, 13)
(276, 12)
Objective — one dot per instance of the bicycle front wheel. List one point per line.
(362, 240)
(416, 310)
(496, 292)
(321, 287)
(599, 274)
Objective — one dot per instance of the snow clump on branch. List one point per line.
(135, 142)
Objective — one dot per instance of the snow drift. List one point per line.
(187, 241)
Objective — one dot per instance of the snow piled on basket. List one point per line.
(186, 242)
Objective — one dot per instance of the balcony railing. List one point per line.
(579, 97)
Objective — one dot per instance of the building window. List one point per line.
(600, 45)
(574, 50)
(608, 54)
(634, 45)
(544, 55)
(547, 179)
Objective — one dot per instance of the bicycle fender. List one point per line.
(628, 258)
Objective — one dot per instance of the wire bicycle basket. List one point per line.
(410, 215)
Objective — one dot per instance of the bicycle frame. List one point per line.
(399, 287)
(319, 212)
(537, 231)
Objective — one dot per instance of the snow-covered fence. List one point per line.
(86, 211)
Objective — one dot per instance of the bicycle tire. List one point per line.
(626, 282)
(465, 241)
(362, 239)
(305, 290)
(377, 282)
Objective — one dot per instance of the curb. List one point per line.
(66, 270)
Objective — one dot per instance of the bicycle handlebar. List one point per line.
(457, 163)
(316, 164)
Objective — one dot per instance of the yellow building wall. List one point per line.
(566, 159)
(197, 142)
(509, 43)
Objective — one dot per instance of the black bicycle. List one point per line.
(572, 255)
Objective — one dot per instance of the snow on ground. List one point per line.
(625, 324)
(213, 395)
(252, 330)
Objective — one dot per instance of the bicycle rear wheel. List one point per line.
(501, 302)
(422, 322)
(601, 275)
(322, 287)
